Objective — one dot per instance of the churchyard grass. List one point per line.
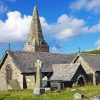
(50, 95)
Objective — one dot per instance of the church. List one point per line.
(71, 69)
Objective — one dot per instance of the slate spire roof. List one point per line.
(35, 41)
(35, 29)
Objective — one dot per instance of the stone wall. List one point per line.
(42, 48)
(16, 74)
(30, 46)
(84, 65)
(87, 68)
(29, 81)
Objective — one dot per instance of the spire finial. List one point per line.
(35, 11)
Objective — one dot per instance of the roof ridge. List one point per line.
(38, 52)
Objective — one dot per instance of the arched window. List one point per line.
(8, 73)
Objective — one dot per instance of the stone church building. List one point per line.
(75, 68)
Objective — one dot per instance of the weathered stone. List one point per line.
(95, 97)
(16, 72)
(78, 96)
(73, 89)
(3, 85)
(35, 40)
(38, 86)
(38, 66)
(47, 89)
(39, 91)
(15, 85)
(30, 81)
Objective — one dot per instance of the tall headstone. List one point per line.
(38, 86)
(3, 85)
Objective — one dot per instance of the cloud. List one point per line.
(15, 28)
(95, 28)
(3, 7)
(79, 4)
(88, 5)
(54, 50)
(98, 44)
(66, 27)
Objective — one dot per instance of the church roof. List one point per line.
(93, 60)
(64, 71)
(25, 61)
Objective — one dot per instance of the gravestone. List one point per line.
(30, 80)
(38, 86)
(14, 84)
(3, 85)
(95, 97)
(78, 96)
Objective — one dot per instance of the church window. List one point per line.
(8, 73)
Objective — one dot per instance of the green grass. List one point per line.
(92, 52)
(50, 95)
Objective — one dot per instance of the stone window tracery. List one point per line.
(8, 73)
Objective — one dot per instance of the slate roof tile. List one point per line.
(93, 60)
(25, 61)
(64, 71)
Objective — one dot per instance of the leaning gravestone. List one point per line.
(38, 86)
(3, 85)
(14, 84)
(78, 96)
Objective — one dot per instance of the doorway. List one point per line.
(81, 80)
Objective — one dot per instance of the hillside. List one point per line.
(92, 52)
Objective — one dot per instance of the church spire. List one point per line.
(35, 29)
(35, 40)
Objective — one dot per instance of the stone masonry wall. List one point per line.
(85, 66)
(89, 71)
(16, 74)
(30, 81)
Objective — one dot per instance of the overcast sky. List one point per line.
(66, 24)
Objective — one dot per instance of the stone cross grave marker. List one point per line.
(15, 85)
(3, 85)
(38, 86)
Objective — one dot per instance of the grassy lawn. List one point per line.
(50, 95)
